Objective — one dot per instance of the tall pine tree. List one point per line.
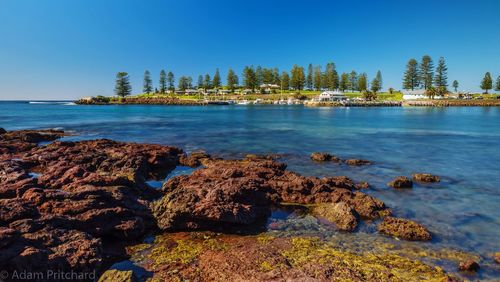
(232, 80)
(309, 80)
(216, 81)
(147, 85)
(344, 82)
(377, 83)
(249, 78)
(317, 78)
(353, 81)
(487, 82)
(171, 81)
(411, 76)
(122, 84)
(362, 82)
(426, 71)
(259, 76)
(285, 81)
(441, 78)
(497, 84)
(163, 82)
(200, 81)
(298, 78)
(207, 83)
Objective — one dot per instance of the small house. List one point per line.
(268, 88)
(414, 94)
(330, 96)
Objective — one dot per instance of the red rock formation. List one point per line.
(242, 192)
(87, 192)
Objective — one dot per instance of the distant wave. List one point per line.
(66, 103)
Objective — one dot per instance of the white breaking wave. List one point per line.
(53, 103)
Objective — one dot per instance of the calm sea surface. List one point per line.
(462, 145)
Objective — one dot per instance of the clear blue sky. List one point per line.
(60, 49)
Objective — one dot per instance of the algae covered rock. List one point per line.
(323, 157)
(405, 229)
(114, 275)
(194, 159)
(469, 265)
(425, 177)
(340, 214)
(357, 162)
(401, 182)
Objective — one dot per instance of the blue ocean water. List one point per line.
(460, 144)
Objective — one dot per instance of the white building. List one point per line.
(268, 88)
(328, 96)
(414, 94)
(192, 91)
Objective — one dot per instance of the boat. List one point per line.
(219, 103)
(244, 102)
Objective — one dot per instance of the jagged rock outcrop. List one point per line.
(61, 203)
(244, 191)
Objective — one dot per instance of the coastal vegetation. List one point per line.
(435, 83)
(269, 85)
(422, 76)
(259, 80)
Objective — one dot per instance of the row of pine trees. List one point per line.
(253, 78)
(421, 75)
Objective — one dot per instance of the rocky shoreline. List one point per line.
(138, 101)
(186, 102)
(82, 206)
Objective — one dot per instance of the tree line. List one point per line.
(423, 76)
(253, 77)
(435, 82)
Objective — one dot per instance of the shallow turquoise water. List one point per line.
(460, 144)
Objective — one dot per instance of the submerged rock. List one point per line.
(363, 185)
(425, 177)
(357, 162)
(401, 182)
(324, 157)
(496, 257)
(469, 265)
(404, 229)
(340, 214)
(114, 275)
(243, 191)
